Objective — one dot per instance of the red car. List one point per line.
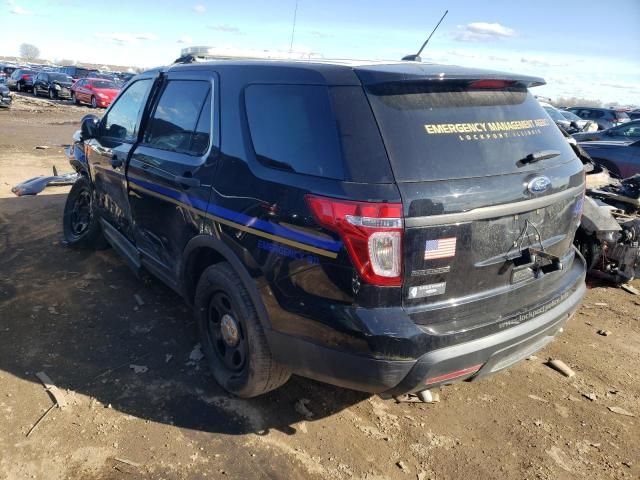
(97, 92)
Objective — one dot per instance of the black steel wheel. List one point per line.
(232, 336)
(226, 333)
(80, 225)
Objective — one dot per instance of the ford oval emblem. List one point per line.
(539, 185)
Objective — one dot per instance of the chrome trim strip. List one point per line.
(494, 211)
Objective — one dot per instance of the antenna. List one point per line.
(293, 30)
(416, 57)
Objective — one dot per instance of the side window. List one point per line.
(181, 122)
(293, 128)
(596, 114)
(121, 121)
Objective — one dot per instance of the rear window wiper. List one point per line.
(537, 156)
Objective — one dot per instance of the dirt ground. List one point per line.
(74, 315)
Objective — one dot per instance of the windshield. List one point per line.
(622, 115)
(444, 132)
(570, 116)
(59, 77)
(554, 114)
(103, 84)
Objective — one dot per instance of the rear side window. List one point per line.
(446, 131)
(293, 128)
(327, 132)
(181, 122)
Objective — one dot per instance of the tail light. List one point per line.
(371, 232)
(26, 77)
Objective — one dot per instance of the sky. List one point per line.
(582, 48)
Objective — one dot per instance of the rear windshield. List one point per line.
(59, 77)
(437, 132)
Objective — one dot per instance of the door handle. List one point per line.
(116, 162)
(187, 181)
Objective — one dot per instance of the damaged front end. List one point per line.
(609, 234)
(35, 185)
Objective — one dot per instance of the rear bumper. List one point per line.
(433, 365)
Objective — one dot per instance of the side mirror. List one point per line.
(89, 126)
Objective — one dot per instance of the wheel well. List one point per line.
(197, 262)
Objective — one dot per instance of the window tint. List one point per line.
(440, 132)
(174, 121)
(122, 120)
(293, 128)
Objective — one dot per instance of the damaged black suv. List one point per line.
(386, 227)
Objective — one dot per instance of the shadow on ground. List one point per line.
(73, 315)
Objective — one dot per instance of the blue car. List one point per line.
(620, 157)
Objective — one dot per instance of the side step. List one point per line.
(124, 247)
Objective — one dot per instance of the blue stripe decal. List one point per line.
(242, 219)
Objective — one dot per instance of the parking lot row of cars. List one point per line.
(78, 84)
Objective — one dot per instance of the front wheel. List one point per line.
(232, 336)
(94, 103)
(19, 86)
(74, 100)
(81, 227)
(52, 94)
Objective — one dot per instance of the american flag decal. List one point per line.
(440, 248)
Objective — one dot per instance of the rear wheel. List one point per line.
(232, 336)
(94, 103)
(80, 225)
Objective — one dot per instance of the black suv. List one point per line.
(604, 117)
(382, 227)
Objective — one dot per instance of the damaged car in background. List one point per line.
(609, 233)
(5, 96)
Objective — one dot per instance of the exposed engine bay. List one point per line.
(609, 234)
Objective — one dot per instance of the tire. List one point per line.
(74, 100)
(52, 94)
(80, 226)
(246, 369)
(35, 92)
(18, 86)
(94, 103)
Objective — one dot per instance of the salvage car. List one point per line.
(54, 85)
(385, 227)
(628, 131)
(580, 124)
(5, 72)
(78, 72)
(96, 92)
(5, 96)
(609, 232)
(21, 80)
(604, 117)
(621, 158)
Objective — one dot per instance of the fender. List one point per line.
(217, 245)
